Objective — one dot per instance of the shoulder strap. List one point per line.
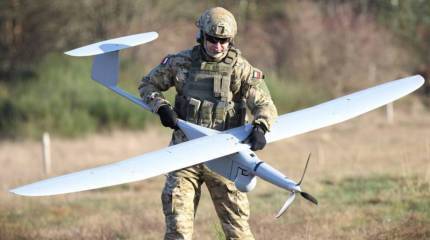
(231, 57)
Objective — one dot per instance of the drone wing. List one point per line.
(112, 45)
(343, 108)
(335, 111)
(138, 168)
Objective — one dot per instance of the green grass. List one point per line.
(381, 207)
(395, 198)
(374, 207)
(293, 94)
(34, 219)
(62, 99)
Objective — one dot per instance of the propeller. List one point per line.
(286, 204)
(292, 196)
(309, 197)
(306, 195)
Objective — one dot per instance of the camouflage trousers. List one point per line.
(181, 195)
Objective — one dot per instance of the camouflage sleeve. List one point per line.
(158, 80)
(257, 94)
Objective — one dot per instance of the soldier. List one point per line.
(215, 86)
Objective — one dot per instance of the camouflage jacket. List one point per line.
(246, 82)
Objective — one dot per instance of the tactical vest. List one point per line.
(206, 98)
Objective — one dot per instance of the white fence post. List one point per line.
(46, 147)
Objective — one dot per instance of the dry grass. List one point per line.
(371, 178)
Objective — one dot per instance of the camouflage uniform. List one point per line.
(215, 95)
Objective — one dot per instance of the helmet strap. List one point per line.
(200, 37)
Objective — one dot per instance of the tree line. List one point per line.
(32, 29)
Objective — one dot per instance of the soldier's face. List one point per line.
(216, 47)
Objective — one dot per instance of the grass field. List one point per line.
(370, 177)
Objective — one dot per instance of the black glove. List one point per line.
(167, 117)
(256, 138)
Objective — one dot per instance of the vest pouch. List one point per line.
(181, 103)
(206, 111)
(226, 94)
(217, 86)
(220, 114)
(193, 110)
(233, 115)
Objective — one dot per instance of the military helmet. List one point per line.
(217, 22)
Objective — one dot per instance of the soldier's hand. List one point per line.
(167, 117)
(256, 138)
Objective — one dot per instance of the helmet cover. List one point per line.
(218, 22)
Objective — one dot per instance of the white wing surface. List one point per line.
(342, 109)
(113, 44)
(337, 110)
(142, 167)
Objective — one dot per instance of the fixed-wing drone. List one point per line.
(225, 152)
